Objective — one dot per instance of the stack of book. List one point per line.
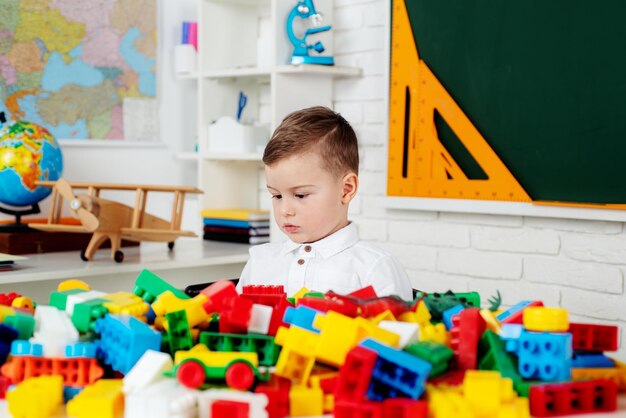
(248, 226)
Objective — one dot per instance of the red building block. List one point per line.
(218, 294)
(452, 378)
(7, 298)
(76, 371)
(235, 315)
(230, 409)
(573, 398)
(367, 292)
(277, 317)
(373, 307)
(5, 382)
(277, 392)
(358, 409)
(264, 295)
(593, 337)
(468, 327)
(404, 408)
(355, 374)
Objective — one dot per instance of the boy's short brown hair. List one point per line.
(317, 129)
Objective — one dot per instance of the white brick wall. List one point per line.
(576, 264)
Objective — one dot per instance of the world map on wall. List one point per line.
(82, 69)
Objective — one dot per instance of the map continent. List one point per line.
(70, 65)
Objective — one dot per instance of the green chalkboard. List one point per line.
(543, 81)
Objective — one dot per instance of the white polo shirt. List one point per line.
(340, 262)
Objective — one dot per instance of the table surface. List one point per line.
(187, 253)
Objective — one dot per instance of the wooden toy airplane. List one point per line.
(111, 220)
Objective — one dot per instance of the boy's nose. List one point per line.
(287, 210)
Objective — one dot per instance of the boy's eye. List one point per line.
(301, 196)
(277, 196)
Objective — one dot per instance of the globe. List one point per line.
(28, 153)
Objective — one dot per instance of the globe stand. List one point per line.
(18, 226)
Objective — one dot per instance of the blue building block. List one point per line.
(545, 356)
(80, 350)
(26, 348)
(7, 336)
(513, 309)
(302, 316)
(449, 313)
(396, 374)
(69, 392)
(584, 359)
(123, 340)
(510, 334)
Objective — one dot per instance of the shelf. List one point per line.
(187, 156)
(328, 70)
(190, 76)
(187, 253)
(252, 156)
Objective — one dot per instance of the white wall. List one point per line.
(578, 265)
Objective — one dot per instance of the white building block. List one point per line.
(257, 401)
(73, 300)
(54, 330)
(148, 370)
(408, 331)
(163, 399)
(260, 318)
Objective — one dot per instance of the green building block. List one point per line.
(438, 303)
(85, 314)
(493, 356)
(438, 355)
(178, 336)
(59, 299)
(314, 295)
(24, 323)
(263, 345)
(148, 286)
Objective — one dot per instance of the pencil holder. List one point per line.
(229, 136)
(185, 59)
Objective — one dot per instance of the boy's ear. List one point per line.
(350, 186)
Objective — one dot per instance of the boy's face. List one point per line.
(309, 202)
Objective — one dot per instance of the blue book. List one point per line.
(185, 33)
(236, 224)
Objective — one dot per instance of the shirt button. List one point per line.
(307, 248)
(301, 261)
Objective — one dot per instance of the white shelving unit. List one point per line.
(243, 46)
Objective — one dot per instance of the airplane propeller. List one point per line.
(82, 205)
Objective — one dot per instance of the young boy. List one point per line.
(311, 168)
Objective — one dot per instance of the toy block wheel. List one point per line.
(240, 376)
(191, 374)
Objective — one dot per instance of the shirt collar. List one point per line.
(331, 245)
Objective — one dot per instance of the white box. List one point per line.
(229, 136)
(185, 59)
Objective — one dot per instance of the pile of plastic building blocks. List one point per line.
(160, 352)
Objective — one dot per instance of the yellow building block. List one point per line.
(300, 294)
(486, 391)
(37, 397)
(72, 284)
(305, 401)
(491, 320)
(5, 311)
(340, 333)
(539, 318)
(615, 374)
(436, 333)
(215, 358)
(315, 382)
(23, 302)
(447, 402)
(297, 355)
(125, 303)
(383, 316)
(103, 399)
(167, 302)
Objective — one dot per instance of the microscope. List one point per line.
(305, 9)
